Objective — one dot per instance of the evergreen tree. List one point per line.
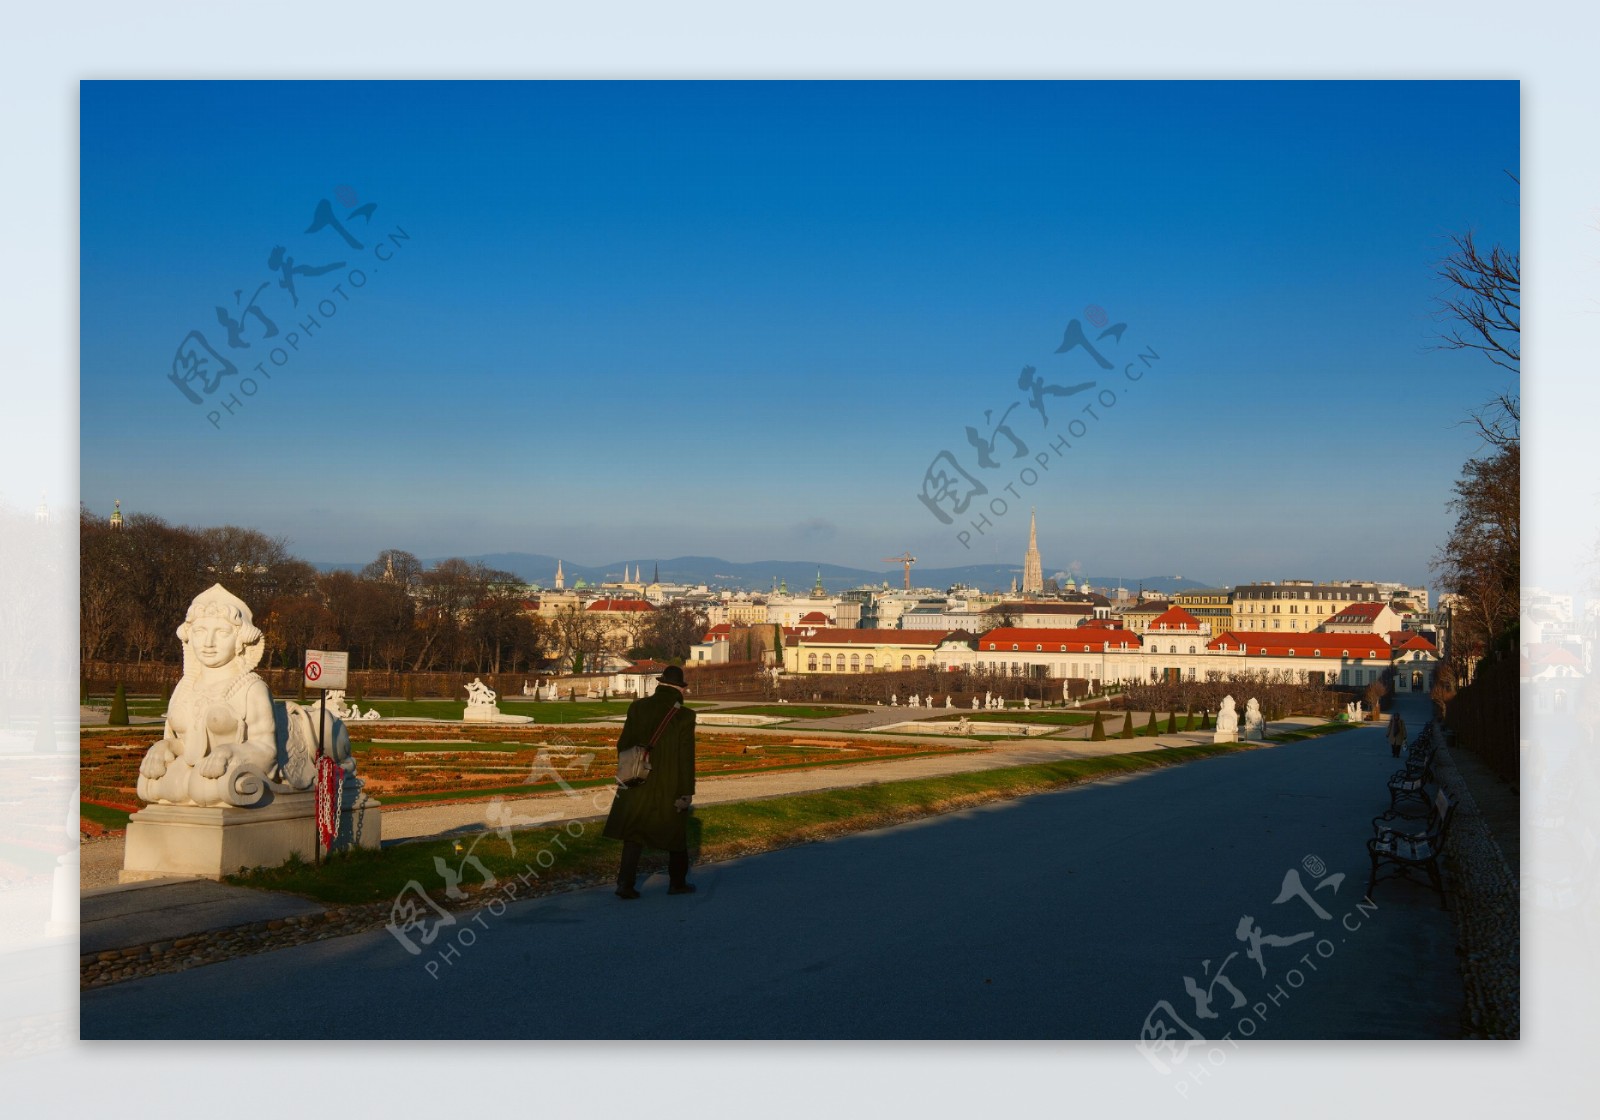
(1150, 727)
(1098, 735)
(1172, 723)
(119, 709)
(1127, 726)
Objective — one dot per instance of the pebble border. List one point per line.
(1485, 907)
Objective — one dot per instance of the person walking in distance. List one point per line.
(1397, 735)
(655, 812)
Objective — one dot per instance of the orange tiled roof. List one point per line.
(1055, 639)
(1363, 646)
(844, 636)
(1175, 619)
(1359, 612)
(619, 605)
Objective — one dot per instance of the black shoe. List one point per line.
(627, 892)
(682, 888)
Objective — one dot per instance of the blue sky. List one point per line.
(644, 320)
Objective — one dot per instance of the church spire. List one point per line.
(561, 579)
(1032, 567)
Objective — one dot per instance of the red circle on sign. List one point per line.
(313, 671)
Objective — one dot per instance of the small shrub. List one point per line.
(119, 709)
(1172, 723)
(1098, 735)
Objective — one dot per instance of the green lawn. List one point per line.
(102, 816)
(716, 832)
(790, 711)
(1300, 733)
(542, 711)
(1047, 715)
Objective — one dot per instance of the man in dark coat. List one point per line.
(656, 812)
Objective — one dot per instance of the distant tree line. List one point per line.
(395, 615)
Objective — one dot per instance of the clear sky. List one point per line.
(625, 321)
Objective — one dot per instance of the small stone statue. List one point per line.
(1227, 723)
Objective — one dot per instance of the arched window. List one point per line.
(827, 661)
(1038, 649)
(1013, 647)
(840, 666)
(1316, 653)
(1345, 653)
(905, 661)
(1191, 649)
(1172, 649)
(1372, 653)
(811, 662)
(869, 662)
(855, 663)
(922, 662)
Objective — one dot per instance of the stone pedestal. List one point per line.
(64, 897)
(490, 713)
(174, 841)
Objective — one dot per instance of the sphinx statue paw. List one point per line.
(213, 765)
(155, 761)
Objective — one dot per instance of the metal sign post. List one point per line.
(324, 669)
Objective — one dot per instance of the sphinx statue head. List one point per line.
(219, 633)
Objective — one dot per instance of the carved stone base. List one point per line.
(490, 713)
(171, 841)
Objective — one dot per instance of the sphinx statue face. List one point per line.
(215, 641)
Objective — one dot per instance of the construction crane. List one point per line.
(907, 560)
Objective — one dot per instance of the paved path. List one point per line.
(141, 913)
(1062, 915)
(101, 859)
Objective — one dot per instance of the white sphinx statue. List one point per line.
(233, 781)
(1227, 723)
(226, 741)
(1253, 723)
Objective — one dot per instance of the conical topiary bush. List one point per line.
(119, 708)
(1098, 735)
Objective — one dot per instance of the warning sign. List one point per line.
(327, 668)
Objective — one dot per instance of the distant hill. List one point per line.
(798, 575)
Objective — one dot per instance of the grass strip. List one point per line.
(103, 816)
(1299, 733)
(717, 832)
(789, 711)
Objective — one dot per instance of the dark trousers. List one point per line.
(677, 865)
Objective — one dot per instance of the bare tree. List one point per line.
(1484, 301)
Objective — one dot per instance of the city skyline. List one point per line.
(743, 320)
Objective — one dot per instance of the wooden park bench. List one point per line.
(1397, 843)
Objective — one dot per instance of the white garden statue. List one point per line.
(1253, 723)
(1227, 723)
(225, 741)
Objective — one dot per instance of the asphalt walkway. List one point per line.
(1075, 914)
